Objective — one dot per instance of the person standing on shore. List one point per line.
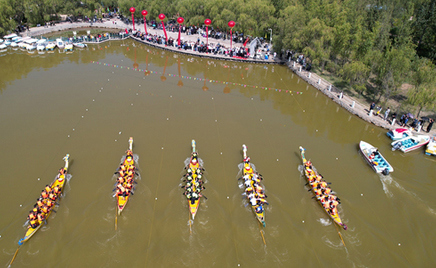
(387, 113)
(394, 117)
(371, 108)
(430, 125)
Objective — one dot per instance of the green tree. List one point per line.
(423, 94)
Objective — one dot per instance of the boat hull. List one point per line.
(60, 182)
(410, 143)
(308, 173)
(379, 164)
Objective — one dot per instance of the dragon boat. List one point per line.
(58, 183)
(125, 181)
(253, 190)
(323, 197)
(194, 181)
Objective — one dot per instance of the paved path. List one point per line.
(324, 86)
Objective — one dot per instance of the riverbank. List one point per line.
(350, 104)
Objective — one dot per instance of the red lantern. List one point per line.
(144, 13)
(132, 10)
(180, 20)
(162, 17)
(207, 22)
(231, 25)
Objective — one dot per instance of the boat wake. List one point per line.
(388, 180)
(325, 221)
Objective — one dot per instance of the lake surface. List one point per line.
(88, 103)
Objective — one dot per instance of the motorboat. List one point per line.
(60, 44)
(375, 159)
(399, 133)
(3, 47)
(431, 146)
(410, 143)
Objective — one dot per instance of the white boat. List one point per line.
(3, 47)
(68, 47)
(410, 143)
(431, 146)
(22, 45)
(16, 39)
(41, 44)
(399, 133)
(1, 41)
(80, 45)
(10, 36)
(375, 158)
(14, 44)
(50, 46)
(60, 44)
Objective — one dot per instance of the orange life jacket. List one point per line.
(44, 194)
(44, 209)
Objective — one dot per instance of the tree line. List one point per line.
(374, 46)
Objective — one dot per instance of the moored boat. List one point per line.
(126, 178)
(375, 159)
(50, 46)
(60, 44)
(254, 191)
(431, 146)
(46, 203)
(80, 45)
(194, 181)
(410, 143)
(68, 47)
(41, 44)
(322, 191)
(398, 133)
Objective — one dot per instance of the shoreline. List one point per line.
(351, 105)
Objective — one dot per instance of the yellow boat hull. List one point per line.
(60, 182)
(334, 216)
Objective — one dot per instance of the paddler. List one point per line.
(47, 188)
(57, 190)
(33, 223)
(263, 201)
(253, 201)
(259, 209)
(39, 202)
(248, 183)
(44, 194)
(32, 215)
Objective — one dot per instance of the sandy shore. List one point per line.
(351, 105)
